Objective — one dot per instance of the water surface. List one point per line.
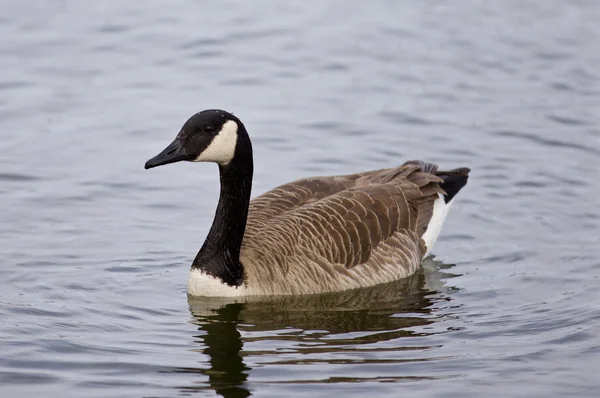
(95, 250)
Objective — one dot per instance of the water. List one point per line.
(94, 250)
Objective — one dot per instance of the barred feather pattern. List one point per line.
(327, 234)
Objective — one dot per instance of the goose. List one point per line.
(313, 235)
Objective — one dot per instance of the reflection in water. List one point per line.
(227, 373)
(353, 323)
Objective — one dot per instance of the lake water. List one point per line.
(95, 250)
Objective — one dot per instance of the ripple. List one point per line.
(14, 84)
(569, 121)
(560, 86)
(403, 118)
(17, 177)
(114, 28)
(546, 141)
(25, 378)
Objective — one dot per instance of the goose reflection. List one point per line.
(354, 321)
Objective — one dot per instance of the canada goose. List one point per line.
(314, 235)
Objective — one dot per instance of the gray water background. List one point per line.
(95, 251)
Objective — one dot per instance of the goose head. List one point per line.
(212, 135)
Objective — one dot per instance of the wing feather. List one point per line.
(344, 220)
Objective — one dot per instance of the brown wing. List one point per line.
(296, 194)
(343, 219)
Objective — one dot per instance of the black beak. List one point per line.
(175, 152)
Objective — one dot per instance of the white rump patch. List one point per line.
(440, 211)
(222, 147)
(202, 284)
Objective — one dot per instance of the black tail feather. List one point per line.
(453, 182)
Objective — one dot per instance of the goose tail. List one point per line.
(453, 181)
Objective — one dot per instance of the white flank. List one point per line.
(222, 147)
(440, 211)
(201, 284)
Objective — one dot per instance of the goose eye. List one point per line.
(209, 128)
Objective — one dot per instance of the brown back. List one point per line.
(343, 219)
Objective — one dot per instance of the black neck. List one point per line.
(220, 253)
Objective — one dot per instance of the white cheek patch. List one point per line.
(222, 147)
